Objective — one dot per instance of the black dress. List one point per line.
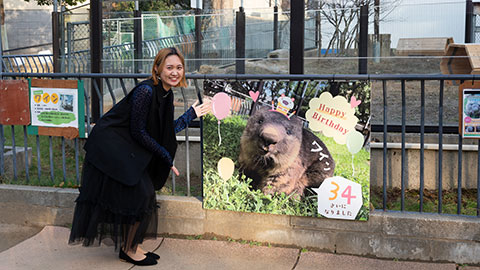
(110, 207)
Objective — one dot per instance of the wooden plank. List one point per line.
(473, 51)
(451, 65)
(67, 132)
(14, 102)
(423, 46)
(54, 83)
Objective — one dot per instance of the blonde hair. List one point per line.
(159, 62)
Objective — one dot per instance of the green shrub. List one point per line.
(235, 194)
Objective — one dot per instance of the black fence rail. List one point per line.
(390, 117)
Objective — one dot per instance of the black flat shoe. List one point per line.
(147, 261)
(153, 255)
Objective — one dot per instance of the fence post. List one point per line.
(240, 41)
(96, 47)
(469, 22)
(376, 31)
(137, 39)
(56, 41)
(275, 27)
(297, 36)
(363, 41)
(198, 37)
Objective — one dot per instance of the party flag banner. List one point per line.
(268, 152)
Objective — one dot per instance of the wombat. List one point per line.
(472, 108)
(282, 156)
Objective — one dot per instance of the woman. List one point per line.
(129, 155)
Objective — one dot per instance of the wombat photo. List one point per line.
(280, 155)
(472, 108)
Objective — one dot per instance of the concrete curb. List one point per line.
(390, 235)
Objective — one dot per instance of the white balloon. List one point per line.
(354, 141)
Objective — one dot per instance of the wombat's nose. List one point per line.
(270, 136)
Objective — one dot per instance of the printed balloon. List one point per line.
(221, 105)
(354, 141)
(225, 168)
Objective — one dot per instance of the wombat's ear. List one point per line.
(259, 108)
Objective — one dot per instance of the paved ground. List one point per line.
(48, 249)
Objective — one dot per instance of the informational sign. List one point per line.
(57, 108)
(471, 113)
(266, 151)
(339, 198)
(54, 107)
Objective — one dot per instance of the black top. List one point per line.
(141, 101)
(137, 135)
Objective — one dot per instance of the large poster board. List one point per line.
(268, 152)
(14, 109)
(57, 108)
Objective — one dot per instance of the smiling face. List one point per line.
(172, 72)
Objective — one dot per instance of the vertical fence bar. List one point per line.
(64, 165)
(25, 142)
(459, 181)
(2, 153)
(385, 108)
(305, 86)
(96, 55)
(50, 149)
(124, 89)
(187, 144)
(199, 96)
(469, 38)
(363, 40)
(14, 154)
(478, 181)
(77, 170)
(99, 99)
(198, 38)
(173, 180)
(422, 142)
(39, 168)
(240, 41)
(403, 146)
(110, 90)
(440, 146)
(275, 27)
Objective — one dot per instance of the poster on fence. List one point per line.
(288, 148)
(57, 108)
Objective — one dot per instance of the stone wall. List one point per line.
(389, 235)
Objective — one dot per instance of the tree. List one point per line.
(152, 5)
(344, 17)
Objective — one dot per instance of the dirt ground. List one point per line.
(392, 65)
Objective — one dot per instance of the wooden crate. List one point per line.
(423, 46)
(467, 60)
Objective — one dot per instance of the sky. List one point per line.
(426, 18)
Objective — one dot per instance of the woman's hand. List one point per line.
(174, 170)
(202, 109)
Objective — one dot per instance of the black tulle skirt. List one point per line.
(107, 208)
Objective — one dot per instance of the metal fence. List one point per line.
(303, 88)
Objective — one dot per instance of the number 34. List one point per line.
(347, 193)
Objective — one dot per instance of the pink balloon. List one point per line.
(221, 105)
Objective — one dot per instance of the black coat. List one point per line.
(111, 148)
